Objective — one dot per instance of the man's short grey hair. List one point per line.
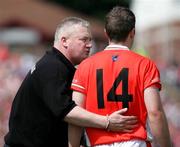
(66, 25)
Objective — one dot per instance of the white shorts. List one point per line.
(131, 143)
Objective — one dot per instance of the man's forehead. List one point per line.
(79, 31)
(81, 28)
(82, 35)
(82, 32)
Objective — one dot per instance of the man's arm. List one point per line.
(80, 117)
(157, 118)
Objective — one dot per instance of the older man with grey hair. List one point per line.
(43, 104)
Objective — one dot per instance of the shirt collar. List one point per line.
(116, 47)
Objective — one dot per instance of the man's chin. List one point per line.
(86, 57)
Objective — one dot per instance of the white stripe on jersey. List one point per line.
(76, 85)
(116, 47)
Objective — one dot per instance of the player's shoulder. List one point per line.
(141, 58)
(93, 58)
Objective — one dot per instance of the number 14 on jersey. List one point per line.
(125, 98)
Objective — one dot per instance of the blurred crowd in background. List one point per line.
(25, 39)
(13, 68)
(14, 65)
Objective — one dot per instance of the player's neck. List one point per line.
(117, 44)
(126, 43)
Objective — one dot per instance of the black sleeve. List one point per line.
(54, 90)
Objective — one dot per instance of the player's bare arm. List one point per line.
(157, 118)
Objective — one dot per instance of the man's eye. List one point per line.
(86, 40)
(83, 39)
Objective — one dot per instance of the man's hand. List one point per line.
(119, 122)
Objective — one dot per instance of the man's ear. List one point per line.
(64, 41)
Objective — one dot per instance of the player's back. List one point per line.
(115, 79)
(116, 75)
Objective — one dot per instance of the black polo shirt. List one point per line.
(41, 103)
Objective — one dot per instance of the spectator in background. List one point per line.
(43, 105)
(120, 79)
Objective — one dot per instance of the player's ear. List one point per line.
(132, 33)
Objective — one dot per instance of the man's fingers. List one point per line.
(132, 119)
(120, 122)
(125, 118)
(127, 131)
(131, 122)
(129, 117)
(123, 128)
(131, 126)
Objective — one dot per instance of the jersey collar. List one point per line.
(116, 47)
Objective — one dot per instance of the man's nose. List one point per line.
(89, 44)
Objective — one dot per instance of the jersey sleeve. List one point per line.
(78, 82)
(152, 76)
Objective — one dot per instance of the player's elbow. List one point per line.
(155, 115)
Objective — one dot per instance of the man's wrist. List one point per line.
(107, 122)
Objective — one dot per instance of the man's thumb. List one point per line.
(121, 111)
